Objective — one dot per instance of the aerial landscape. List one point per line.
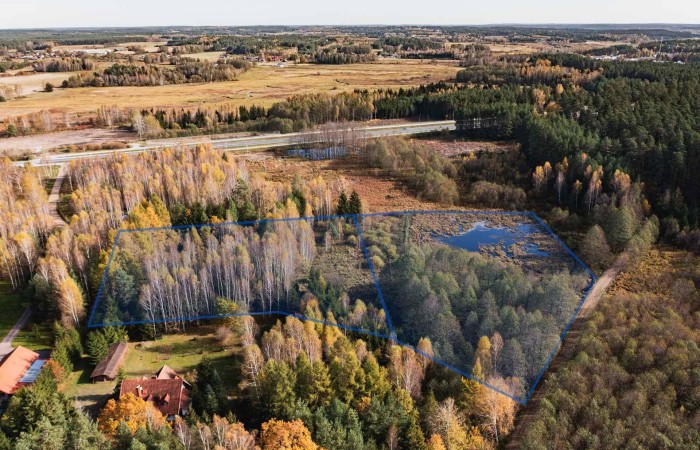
(276, 226)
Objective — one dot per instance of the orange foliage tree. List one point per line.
(131, 410)
(281, 435)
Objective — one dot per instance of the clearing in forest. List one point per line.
(454, 286)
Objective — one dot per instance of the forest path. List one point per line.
(55, 196)
(567, 349)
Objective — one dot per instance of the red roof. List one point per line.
(166, 373)
(13, 366)
(169, 395)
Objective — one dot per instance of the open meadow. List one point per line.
(260, 86)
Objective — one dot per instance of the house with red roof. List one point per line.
(168, 392)
(18, 368)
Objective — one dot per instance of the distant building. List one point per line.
(168, 392)
(18, 368)
(108, 368)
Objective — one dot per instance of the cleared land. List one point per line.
(32, 84)
(379, 191)
(64, 138)
(262, 86)
(205, 56)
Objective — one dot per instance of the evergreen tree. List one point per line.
(208, 394)
(277, 382)
(354, 204)
(343, 206)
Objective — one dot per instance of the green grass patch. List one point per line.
(64, 208)
(11, 308)
(48, 185)
(182, 352)
(89, 396)
(34, 336)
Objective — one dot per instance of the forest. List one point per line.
(603, 149)
(170, 275)
(296, 373)
(632, 380)
(618, 114)
(184, 71)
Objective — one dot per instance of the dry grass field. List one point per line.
(378, 191)
(263, 85)
(147, 46)
(205, 56)
(33, 83)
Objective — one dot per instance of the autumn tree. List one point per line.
(132, 411)
(497, 410)
(281, 435)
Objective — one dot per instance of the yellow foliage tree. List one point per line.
(71, 304)
(483, 354)
(435, 443)
(131, 410)
(497, 410)
(281, 435)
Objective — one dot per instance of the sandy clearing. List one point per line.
(61, 138)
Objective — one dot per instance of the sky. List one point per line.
(120, 13)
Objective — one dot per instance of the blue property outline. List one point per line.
(392, 335)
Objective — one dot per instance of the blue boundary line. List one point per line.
(376, 280)
(392, 337)
(104, 279)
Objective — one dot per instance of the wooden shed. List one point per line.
(108, 368)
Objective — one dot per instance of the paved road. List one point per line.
(567, 349)
(249, 143)
(6, 343)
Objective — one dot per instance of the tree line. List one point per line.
(183, 71)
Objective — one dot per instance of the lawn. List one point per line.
(11, 307)
(34, 337)
(182, 352)
(89, 396)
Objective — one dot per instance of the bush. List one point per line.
(377, 262)
(224, 336)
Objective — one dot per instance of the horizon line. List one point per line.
(329, 25)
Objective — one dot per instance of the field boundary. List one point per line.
(356, 219)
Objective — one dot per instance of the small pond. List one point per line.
(318, 153)
(481, 233)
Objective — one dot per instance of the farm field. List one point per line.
(261, 86)
(32, 84)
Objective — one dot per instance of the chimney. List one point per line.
(139, 389)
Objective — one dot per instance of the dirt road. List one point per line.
(566, 351)
(55, 195)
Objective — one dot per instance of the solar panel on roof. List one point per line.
(33, 371)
